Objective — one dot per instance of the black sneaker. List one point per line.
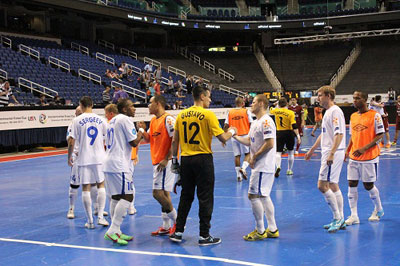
(277, 171)
(176, 237)
(209, 241)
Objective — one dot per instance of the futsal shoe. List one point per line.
(243, 173)
(207, 241)
(176, 237)
(114, 238)
(394, 143)
(296, 153)
(124, 237)
(89, 225)
(336, 225)
(172, 230)
(376, 216)
(239, 179)
(255, 236)
(96, 212)
(271, 234)
(388, 145)
(277, 171)
(289, 172)
(161, 231)
(352, 220)
(70, 214)
(327, 226)
(132, 210)
(102, 221)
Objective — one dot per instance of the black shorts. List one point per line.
(284, 137)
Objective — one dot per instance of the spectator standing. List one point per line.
(106, 95)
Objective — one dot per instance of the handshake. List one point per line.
(232, 130)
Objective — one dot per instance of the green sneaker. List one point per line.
(125, 237)
(114, 238)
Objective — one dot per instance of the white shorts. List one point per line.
(366, 172)
(164, 180)
(74, 177)
(91, 174)
(239, 148)
(261, 183)
(119, 183)
(331, 173)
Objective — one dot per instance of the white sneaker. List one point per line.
(132, 210)
(102, 221)
(352, 220)
(376, 216)
(70, 214)
(96, 212)
(296, 152)
(89, 225)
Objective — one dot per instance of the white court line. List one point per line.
(48, 244)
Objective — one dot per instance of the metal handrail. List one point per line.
(30, 51)
(106, 44)
(105, 58)
(59, 63)
(32, 88)
(176, 71)
(131, 90)
(198, 77)
(195, 58)
(210, 67)
(3, 74)
(6, 41)
(231, 90)
(128, 53)
(135, 69)
(152, 61)
(225, 74)
(80, 48)
(89, 75)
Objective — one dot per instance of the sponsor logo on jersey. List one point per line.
(359, 127)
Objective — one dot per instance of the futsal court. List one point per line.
(34, 229)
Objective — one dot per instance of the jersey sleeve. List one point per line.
(68, 131)
(74, 130)
(250, 117)
(169, 125)
(214, 124)
(268, 129)
(337, 122)
(379, 128)
(129, 129)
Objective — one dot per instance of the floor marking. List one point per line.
(48, 244)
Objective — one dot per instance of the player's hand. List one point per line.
(252, 162)
(359, 152)
(177, 183)
(136, 160)
(141, 124)
(175, 168)
(70, 162)
(346, 156)
(299, 139)
(223, 144)
(329, 161)
(161, 166)
(233, 128)
(308, 155)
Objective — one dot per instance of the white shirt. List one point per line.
(89, 130)
(260, 130)
(333, 123)
(76, 146)
(121, 130)
(378, 109)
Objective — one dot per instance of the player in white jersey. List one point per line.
(377, 105)
(89, 130)
(333, 143)
(121, 137)
(262, 142)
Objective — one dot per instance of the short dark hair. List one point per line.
(86, 102)
(123, 103)
(198, 91)
(363, 95)
(161, 100)
(282, 102)
(378, 98)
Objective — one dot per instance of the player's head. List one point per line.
(202, 94)
(78, 111)
(157, 103)
(282, 102)
(239, 102)
(125, 106)
(326, 94)
(110, 110)
(360, 99)
(85, 102)
(398, 98)
(378, 98)
(293, 101)
(260, 103)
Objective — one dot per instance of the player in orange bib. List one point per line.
(366, 130)
(160, 135)
(240, 118)
(317, 118)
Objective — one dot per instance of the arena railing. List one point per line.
(195, 58)
(131, 90)
(176, 71)
(210, 67)
(231, 90)
(128, 53)
(135, 69)
(89, 75)
(105, 58)
(3, 74)
(80, 48)
(182, 51)
(345, 67)
(152, 61)
(59, 63)
(106, 44)
(6, 41)
(33, 86)
(198, 77)
(30, 51)
(225, 74)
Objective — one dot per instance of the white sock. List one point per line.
(374, 195)
(352, 194)
(339, 200)
(258, 211)
(134, 195)
(269, 213)
(331, 200)
(278, 159)
(93, 196)
(166, 222)
(237, 168)
(172, 215)
(245, 165)
(73, 194)
(101, 200)
(290, 159)
(113, 203)
(87, 203)
(120, 210)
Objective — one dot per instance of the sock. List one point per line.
(237, 168)
(245, 165)
(73, 194)
(297, 146)
(93, 196)
(101, 201)
(172, 215)
(278, 159)
(258, 211)
(166, 222)
(134, 195)
(290, 159)
(269, 213)
(353, 198)
(339, 200)
(331, 200)
(120, 210)
(113, 203)
(87, 203)
(374, 195)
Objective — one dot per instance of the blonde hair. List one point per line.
(328, 91)
(111, 108)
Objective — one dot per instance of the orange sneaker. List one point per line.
(381, 145)
(161, 231)
(172, 229)
(387, 146)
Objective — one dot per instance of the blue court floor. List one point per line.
(34, 229)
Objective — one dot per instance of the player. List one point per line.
(317, 118)
(377, 105)
(299, 116)
(397, 121)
